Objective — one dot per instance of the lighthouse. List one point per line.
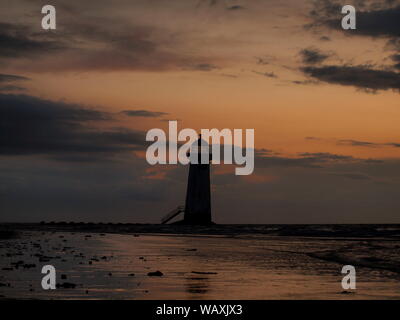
(198, 194)
(197, 208)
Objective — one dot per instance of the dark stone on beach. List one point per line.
(155, 274)
(63, 276)
(131, 275)
(43, 258)
(66, 285)
(347, 292)
(201, 272)
(7, 234)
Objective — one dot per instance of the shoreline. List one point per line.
(384, 231)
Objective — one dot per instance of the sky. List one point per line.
(76, 103)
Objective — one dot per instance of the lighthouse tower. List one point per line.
(198, 195)
(197, 209)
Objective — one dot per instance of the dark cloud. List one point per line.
(97, 44)
(266, 74)
(30, 125)
(228, 75)
(325, 156)
(286, 162)
(394, 144)
(325, 38)
(305, 160)
(381, 22)
(393, 44)
(17, 41)
(313, 56)
(373, 19)
(236, 7)
(263, 152)
(356, 143)
(11, 78)
(203, 67)
(352, 175)
(82, 191)
(214, 3)
(362, 76)
(7, 80)
(10, 87)
(211, 3)
(304, 82)
(373, 161)
(396, 59)
(143, 113)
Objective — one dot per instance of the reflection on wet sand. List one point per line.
(197, 285)
(151, 266)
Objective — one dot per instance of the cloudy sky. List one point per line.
(76, 103)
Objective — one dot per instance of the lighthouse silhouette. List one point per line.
(197, 209)
(198, 195)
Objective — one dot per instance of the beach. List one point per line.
(93, 265)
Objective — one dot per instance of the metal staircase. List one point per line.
(172, 214)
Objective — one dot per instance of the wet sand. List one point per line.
(116, 266)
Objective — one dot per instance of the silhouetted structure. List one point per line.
(197, 210)
(198, 195)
